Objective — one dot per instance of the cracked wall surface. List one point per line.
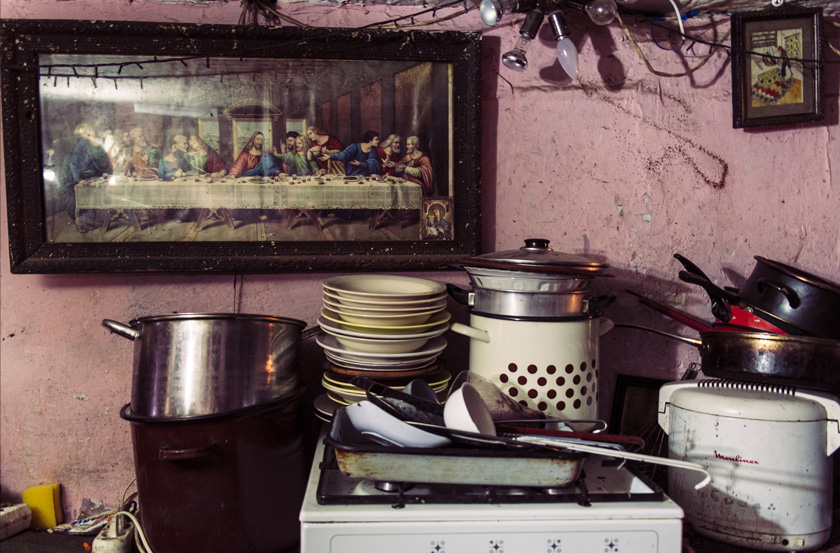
(622, 165)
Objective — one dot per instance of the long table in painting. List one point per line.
(130, 195)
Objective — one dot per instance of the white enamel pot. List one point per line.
(550, 366)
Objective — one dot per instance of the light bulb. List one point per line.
(601, 12)
(567, 55)
(491, 11)
(515, 59)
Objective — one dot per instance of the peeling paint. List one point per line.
(80, 397)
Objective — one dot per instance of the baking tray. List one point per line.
(494, 466)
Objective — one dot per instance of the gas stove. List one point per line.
(612, 508)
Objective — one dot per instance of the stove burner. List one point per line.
(392, 487)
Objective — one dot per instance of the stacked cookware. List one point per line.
(215, 417)
(766, 424)
(388, 328)
(534, 328)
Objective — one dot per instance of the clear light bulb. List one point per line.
(567, 55)
(491, 11)
(515, 59)
(601, 12)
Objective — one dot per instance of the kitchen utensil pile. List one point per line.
(765, 424)
(384, 327)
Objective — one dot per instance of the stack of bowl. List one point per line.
(384, 327)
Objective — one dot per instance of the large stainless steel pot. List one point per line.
(194, 364)
(240, 478)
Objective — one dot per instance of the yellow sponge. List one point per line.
(45, 503)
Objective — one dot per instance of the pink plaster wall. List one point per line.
(622, 165)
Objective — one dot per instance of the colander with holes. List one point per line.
(551, 366)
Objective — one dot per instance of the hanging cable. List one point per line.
(648, 64)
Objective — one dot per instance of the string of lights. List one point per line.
(105, 71)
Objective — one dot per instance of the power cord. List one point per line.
(117, 537)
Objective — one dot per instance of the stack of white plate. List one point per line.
(385, 327)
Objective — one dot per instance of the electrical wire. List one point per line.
(648, 64)
(144, 547)
(679, 17)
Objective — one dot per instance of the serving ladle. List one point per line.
(465, 411)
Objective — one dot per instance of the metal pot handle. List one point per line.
(461, 295)
(792, 297)
(118, 328)
(470, 332)
(832, 411)
(187, 454)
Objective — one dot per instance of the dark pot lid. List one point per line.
(536, 256)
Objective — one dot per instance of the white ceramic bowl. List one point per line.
(389, 302)
(367, 417)
(338, 330)
(373, 326)
(383, 287)
(385, 319)
(331, 344)
(380, 364)
(465, 410)
(372, 345)
(384, 309)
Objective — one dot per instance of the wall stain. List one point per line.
(679, 151)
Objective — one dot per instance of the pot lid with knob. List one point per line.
(537, 256)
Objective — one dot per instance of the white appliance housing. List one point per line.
(625, 525)
(551, 366)
(767, 449)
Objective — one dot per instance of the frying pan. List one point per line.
(794, 297)
(741, 314)
(774, 359)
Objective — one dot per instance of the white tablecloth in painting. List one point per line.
(124, 193)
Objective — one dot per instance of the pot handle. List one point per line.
(683, 339)
(118, 328)
(187, 454)
(470, 332)
(461, 295)
(832, 412)
(792, 297)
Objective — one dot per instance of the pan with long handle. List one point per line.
(764, 357)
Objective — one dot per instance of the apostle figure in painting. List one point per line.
(144, 158)
(361, 158)
(295, 162)
(170, 164)
(323, 144)
(389, 154)
(88, 160)
(254, 160)
(289, 145)
(204, 160)
(416, 166)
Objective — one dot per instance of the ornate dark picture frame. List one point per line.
(169, 82)
(777, 67)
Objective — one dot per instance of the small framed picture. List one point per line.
(776, 67)
(437, 219)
